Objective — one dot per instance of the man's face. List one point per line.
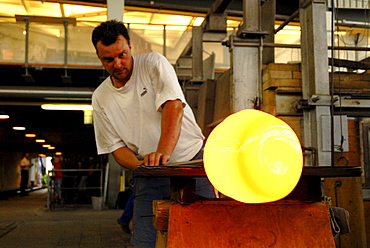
(116, 59)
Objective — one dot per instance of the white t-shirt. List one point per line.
(24, 161)
(131, 115)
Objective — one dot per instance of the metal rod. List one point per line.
(286, 22)
(65, 46)
(280, 45)
(332, 86)
(164, 41)
(26, 44)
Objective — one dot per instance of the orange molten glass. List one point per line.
(253, 157)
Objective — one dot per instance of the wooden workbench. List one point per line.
(299, 220)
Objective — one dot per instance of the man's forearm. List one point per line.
(170, 132)
(171, 126)
(126, 158)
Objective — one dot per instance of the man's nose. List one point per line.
(117, 63)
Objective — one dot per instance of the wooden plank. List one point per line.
(192, 169)
(161, 240)
(161, 211)
(347, 76)
(281, 66)
(347, 193)
(352, 84)
(167, 171)
(275, 83)
(223, 106)
(276, 74)
(206, 105)
(233, 224)
(349, 63)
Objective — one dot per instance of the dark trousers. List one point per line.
(24, 180)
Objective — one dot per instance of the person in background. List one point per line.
(142, 118)
(58, 178)
(24, 164)
(126, 217)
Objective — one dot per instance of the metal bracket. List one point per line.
(247, 34)
(236, 41)
(317, 100)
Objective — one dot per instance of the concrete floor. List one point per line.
(25, 221)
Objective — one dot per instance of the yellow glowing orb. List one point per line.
(253, 157)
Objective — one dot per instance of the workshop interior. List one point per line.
(301, 62)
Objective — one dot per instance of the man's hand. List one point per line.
(156, 158)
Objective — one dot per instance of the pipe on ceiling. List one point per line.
(45, 92)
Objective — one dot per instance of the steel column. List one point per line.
(315, 77)
(246, 59)
(197, 59)
(115, 9)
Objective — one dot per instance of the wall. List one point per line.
(9, 170)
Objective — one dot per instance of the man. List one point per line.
(25, 164)
(141, 117)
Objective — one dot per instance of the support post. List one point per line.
(197, 46)
(315, 76)
(115, 9)
(246, 59)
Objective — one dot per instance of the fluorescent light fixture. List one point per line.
(30, 135)
(58, 153)
(3, 115)
(46, 145)
(88, 117)
(359, 71)
(42, 155)
(66, 107)
(19, 128)
(40, 140)
(51, 147)
(340, 32)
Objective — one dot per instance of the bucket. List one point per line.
(97, 202)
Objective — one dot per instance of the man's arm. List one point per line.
(126, 158)
(172, 112)
(25, 163)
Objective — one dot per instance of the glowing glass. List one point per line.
(253, 157)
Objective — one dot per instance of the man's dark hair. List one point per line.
(108, 32)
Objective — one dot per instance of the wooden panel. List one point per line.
(206, 105)
(274, 83)
(161, 239)
(161, 211)
(269, 101)
(277, 74)
(223, 106)
(281, 66)
(233, 224)
(347, 193)
(367, 220)
(195, 169)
